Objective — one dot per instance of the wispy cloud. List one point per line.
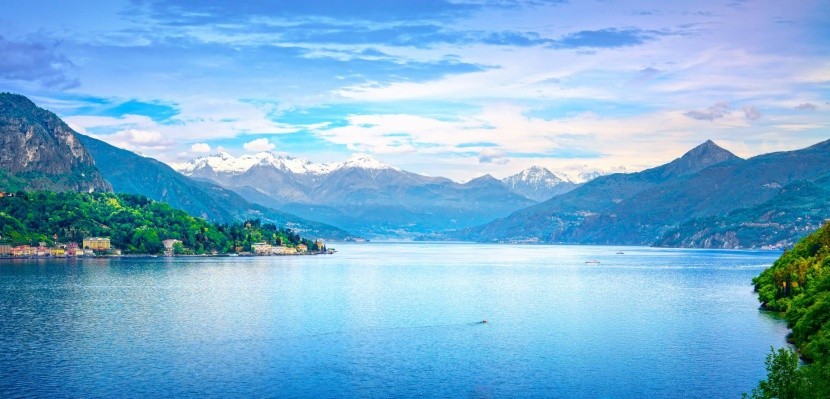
(36, 62)
(441, 84)
(605, 38)
(751, 113)
(493, 155)
(806, 107)
(717, 111)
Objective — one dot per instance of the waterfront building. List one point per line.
(261, 248)
(73, 250)
(24, 250)
(168, 245)
(97, 243)
(302, 248)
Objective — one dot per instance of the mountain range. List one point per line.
(362, 194)
(38, 151)
(707, 198)
(134, 174)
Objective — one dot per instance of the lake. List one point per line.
(390, 320)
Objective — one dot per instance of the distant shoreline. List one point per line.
(134, 256)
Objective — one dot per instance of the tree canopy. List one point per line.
(798, 284)
(133, 223)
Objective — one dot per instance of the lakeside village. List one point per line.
(100, 246)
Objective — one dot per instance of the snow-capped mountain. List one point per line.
(584, 174)
(225, 163)
(539, 184)
(360, 194)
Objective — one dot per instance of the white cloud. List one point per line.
(259, 145)
(200, 148)
(637, 125)
(493, 155)
(77, 128)
(198, 118)
(138, 140)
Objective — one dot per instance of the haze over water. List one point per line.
(390, 320)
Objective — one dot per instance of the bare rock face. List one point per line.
(40, 152)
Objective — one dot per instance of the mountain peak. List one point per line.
(701, 157)
(484, 180)
(538, 173)
(224, 155)
(707, 146)
(364, 161)
(38, 151)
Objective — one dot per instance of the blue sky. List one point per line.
(456, 88)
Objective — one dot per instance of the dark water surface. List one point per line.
(389, 320)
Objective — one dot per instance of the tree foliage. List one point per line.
(798, 284)
(133, 223)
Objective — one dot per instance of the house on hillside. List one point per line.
(302, 248)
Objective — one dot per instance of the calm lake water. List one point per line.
(389, 320)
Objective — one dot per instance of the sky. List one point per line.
(454, 88)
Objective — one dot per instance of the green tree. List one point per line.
(783, 377)
(178, 248)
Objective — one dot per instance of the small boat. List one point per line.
(592, 261)
(620, 253)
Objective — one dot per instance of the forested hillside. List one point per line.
(798, 284)
(133, 223)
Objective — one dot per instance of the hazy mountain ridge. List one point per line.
(640, 208)
(131, 173)
(38, 151)
(361, 194)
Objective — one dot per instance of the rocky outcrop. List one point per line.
(39, 150)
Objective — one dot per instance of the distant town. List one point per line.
(101, 247)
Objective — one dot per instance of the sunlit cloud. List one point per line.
(200, 148)
(259, 145)
(456, 87)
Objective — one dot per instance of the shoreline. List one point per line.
(134, 256)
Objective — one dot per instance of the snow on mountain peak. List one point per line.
(538, 175)
(363, 161)
(223, 162)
